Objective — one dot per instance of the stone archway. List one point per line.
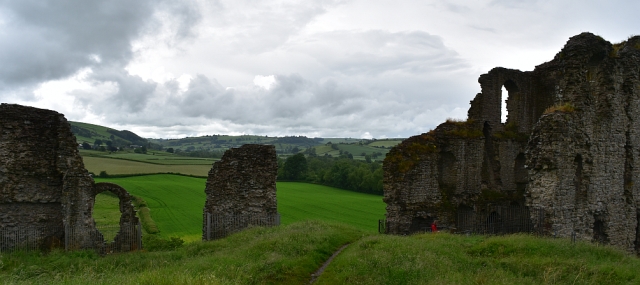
(128, 236)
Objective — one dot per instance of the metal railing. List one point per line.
(125, 238)
(219, 226)
(492, 221)
(500, 220)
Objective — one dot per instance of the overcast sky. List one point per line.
(326, 68)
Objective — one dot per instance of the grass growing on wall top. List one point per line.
(564, 108)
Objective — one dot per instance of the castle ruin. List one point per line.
(45, 192)
(570, 148)
(241, 191)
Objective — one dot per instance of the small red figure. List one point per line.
(434, 226)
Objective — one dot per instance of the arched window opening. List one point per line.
(509, 88)
(503, 103)
(599, 231)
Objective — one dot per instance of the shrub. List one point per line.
(156, 243)
(564, 108)
(103, 174)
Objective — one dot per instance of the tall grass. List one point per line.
(278, 255)
(453, 259)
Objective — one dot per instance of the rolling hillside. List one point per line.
(214, 145)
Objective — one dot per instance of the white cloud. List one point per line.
(265, 82)
(329, 68)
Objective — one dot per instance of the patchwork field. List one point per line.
(120, 166)
(176, 203)
(153, 157)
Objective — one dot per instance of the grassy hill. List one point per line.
(176, 203)
(290, 254)
(89, 133)
(217, 144)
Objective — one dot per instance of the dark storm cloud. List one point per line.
(292, 105)
(49, 40)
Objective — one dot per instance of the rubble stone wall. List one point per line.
(577, 161)
(43, 182)
(242, 184)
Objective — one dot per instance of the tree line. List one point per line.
(342, 172)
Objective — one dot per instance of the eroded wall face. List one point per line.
(242, 184)
(577, 162)
(583, 164)
(30, 176)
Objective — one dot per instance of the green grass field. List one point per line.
(275, 255)
(176, 203)
(301, 201)
(290, 254)
(106, 214)
(120, 166)
(456, 259)
(385, 143)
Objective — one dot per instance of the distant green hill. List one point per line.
(213, 146)
(89, 133)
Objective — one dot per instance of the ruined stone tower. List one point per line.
(44, 186)
(241, 191)
(569, 147)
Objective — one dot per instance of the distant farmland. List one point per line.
(121, 166)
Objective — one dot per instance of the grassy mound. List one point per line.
(453, 259)
(278, 255)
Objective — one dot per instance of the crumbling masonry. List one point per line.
(45, 188)
(570, 147)
(241, 191)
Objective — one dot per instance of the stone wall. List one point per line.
(241, 186)
(582, 164)
(577, 163)
(43, 182)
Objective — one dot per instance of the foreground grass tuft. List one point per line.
(278, 255)
(452, 259)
